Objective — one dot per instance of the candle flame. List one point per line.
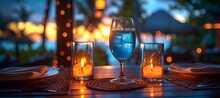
(151, 65)
(83, 60)
(151, 60)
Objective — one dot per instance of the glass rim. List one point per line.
(143, 44)
(82, 41)
(127, 24)
(151, 43)
(123, 17)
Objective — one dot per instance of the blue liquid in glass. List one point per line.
(122, 44)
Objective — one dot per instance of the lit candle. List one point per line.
(151, 71)
(82, 69)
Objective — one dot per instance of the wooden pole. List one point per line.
(64, 31)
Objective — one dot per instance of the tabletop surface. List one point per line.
(165, 89)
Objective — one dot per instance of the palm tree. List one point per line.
(23, 16)
(47, 8)
(88, 9)
(17, 38)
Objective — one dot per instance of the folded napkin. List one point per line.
(16, 73)
(195, 67)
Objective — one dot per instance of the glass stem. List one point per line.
(122, 68)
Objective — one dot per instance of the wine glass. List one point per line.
(122, 43)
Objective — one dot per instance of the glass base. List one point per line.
(153, 79)
(82, 78)
(122, 81)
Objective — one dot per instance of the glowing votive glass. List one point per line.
(152, 62)
(82, 62)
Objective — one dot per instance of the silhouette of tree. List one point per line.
(201, 12)
(17, 38)
(47, 9)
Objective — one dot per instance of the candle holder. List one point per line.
(152, 62)
(82, 62)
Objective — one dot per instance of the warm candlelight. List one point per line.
(82, 60)
(82, 69)
(152, 62)
(151, 71)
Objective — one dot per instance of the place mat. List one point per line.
(55, 85)
(194, 81)
(105, 85)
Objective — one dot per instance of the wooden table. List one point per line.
(167, 89)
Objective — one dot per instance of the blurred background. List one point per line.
(189, 29)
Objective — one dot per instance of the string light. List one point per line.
(68, 25)
(211, 26)
(98, 14)
(64, 34)
(57, 2)
(68, 6)
(62, 53)
(68, 44)
(207, 26)
(62, 12)
(68, 58)
(158, 33)
(169, 59)
(199, 50)
(100, 4)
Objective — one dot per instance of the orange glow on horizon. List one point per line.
(100, 34)
(51, 31)
(34, 31)
(105, 29)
